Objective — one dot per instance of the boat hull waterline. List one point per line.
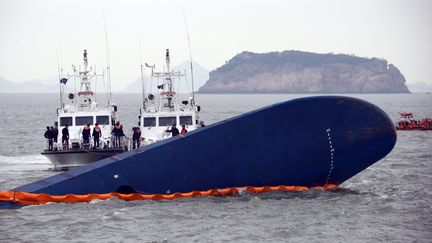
(310, 142)
(67, 159)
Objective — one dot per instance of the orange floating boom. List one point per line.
(27, 198)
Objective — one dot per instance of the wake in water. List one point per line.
(24, 163)
(18, 170)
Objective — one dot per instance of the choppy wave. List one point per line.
(389, 201)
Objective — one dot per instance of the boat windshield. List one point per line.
(185, 120)
(82, 120)
(167, 121)
(149, 121)
(102, 120)
(65, 121)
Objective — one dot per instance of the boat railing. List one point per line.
(77, 144)
(123, 142)
(47, 144)
(113, 142)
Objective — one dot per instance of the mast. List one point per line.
(85, 83)
(168, 79)
(85, 94)
(167, 76)
(168, 61)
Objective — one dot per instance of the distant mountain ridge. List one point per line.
(420, 88)
(36, 86)
(304, 72)
(48, 85)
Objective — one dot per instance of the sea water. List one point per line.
(389, 201)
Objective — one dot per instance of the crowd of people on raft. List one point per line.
(51, 134)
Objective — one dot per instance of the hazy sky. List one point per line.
(31, 31)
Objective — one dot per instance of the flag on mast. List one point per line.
(63, 80)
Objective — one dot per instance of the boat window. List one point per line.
(149, 121)
(65, 121)
(167, 121)
(82, 120)
(185, 120)
(102, 120)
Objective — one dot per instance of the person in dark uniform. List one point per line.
(136, 138)
(118, 134)
(49, 135)
(97, 134)
(121, 135)
(55, 133)
(114, 133)
(174, 131)
(65, 137)
(86, 134)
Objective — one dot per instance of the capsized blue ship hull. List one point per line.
(303, 142)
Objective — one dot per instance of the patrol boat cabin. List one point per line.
(74, 114)
(161, 111)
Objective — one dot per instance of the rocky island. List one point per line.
(304, 72)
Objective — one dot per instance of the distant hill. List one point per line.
(7, 86)
(201, 75)
(49, 85)
(420, 88)
(304, 72)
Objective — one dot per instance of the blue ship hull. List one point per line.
(309, 142)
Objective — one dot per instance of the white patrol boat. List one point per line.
(161, 111)
(73, 116)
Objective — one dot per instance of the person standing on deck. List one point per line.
(55, 133)
(183, 131)
(174, 131)
(136, 138)
(121, 133)
(97, 134)
(86, 134)
(118, 134)
(49, 135)
(65, 137)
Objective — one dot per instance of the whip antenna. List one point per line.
(59, 79)
(108, 60)
(190, 58)
(142, 76)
